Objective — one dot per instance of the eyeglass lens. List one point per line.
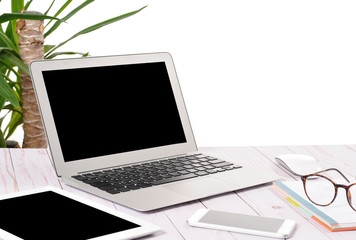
(352, 196)
(320, 190)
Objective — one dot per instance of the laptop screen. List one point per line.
(113, 109)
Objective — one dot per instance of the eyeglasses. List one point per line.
(322, 191)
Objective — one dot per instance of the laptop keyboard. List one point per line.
(123, 179)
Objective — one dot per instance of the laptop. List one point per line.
(117, 127)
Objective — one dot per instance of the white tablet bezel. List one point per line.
(71, 168)
(144, 229)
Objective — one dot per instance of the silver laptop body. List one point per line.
(104, 113)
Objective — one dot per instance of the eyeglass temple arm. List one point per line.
(330, 169)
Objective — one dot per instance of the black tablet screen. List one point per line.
(49, 215)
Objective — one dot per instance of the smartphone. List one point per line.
(234, 222)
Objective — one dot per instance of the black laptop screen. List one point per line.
(113, 109)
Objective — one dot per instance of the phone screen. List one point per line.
(242, 221)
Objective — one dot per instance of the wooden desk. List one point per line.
(31, 168)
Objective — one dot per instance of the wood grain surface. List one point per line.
(22, 169)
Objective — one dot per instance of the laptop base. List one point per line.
(183, 191)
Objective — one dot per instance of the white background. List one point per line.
(253, 72)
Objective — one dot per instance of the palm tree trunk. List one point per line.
(31, 48)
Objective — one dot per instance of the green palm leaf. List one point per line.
(7, 93)
(17, 5)
(5, 41)
(49, 8)
(56, 25)
(2, 140)
(6, 65)
(15, 121)
(95, 27)
(48, 47)
(65, 5)
(9, 55)
(53, 55)
(27, 5)
(13, 16)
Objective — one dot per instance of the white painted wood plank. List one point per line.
(155, 217)
(270, 153)
(230, 202)
(82, 193)
(341, 157)
(248, 156)
(264, 201)
(8, 183)
(88, 196)
(33, 169)
(268, 204)
(351, 146)
(271, 205)
(179, 215)
(308, 150)
(327, 160)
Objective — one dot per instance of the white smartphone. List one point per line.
(234, 222)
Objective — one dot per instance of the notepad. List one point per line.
(338, 216)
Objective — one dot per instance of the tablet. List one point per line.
(51, 213)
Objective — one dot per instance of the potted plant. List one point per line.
(21, 42)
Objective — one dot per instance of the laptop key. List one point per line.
(123, 189)
(132, 187)
(211, 171)
(205, 163)
(216, 161)
(79, 177)
(174, 179)
(133, 177)
(175, 174)
(117, 190)
(200, 168)
(99, 184)
(166, 175)
(220, 169)
(201, 173)
(143, 185)
(222, 164)
(107, 187)
(188, 166)
(91, 180)
(231, 167)
(113, 191)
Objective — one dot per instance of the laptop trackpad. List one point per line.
(198, 188)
